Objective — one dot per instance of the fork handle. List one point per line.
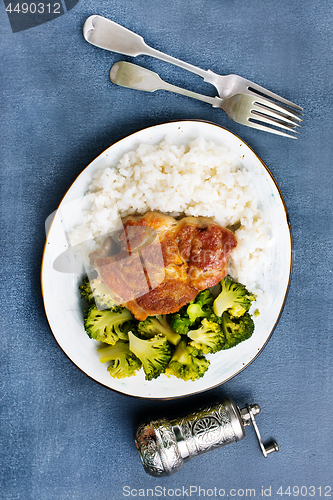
(214, 101)
(208, 75)
(108, 35)
(177, 62)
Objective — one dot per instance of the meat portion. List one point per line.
(163, 263)
(204, 247)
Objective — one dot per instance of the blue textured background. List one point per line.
(63, 436)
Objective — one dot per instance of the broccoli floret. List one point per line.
(188, 315)
(201, 306)
(180, 321)
(209, 338)
(236, 329)
(106, 325)
(101, 294)
(187, 363)
(129, 326)
(195, 311)
(86, 291)
(205, 299)
(158, 324)
(154, 353)
(124, 362)
(233, 298)
(96, 291)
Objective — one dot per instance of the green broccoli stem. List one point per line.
(195, 311)
(195, 334)
(113, 352)
(164, 327)
(225, 301)
(180, 354)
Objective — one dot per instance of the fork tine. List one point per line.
(268, 129)
(271, 107)
(276, 116)
(284, 113)
(271, 121)
(257, 90)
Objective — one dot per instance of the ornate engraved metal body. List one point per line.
(157, 445)
(164, 445)
(208, 428)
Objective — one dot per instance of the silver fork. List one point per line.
(109, 35)
(242, 108)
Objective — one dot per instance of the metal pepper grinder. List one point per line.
(164, 445)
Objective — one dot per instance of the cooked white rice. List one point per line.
(200, 178)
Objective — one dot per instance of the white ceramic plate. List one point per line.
(64, 307)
